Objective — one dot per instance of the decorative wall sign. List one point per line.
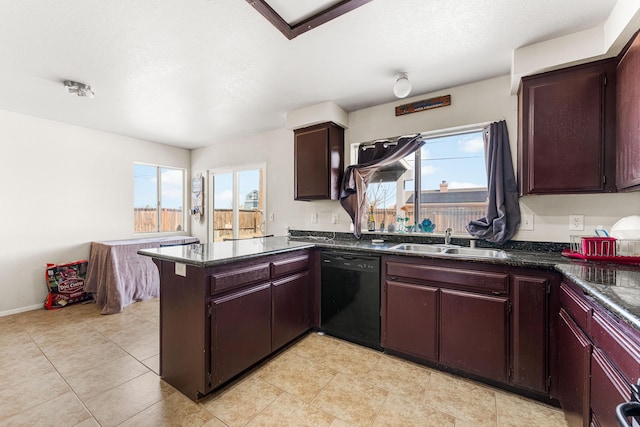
(425, 104)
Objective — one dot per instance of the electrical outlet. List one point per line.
(314, 218)
(334, 218)
(576, 222)
(272, 216)
(526, 222)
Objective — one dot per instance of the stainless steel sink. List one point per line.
(477, 252)
(449, 250)
(418, 247)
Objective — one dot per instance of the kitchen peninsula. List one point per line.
(226, 306)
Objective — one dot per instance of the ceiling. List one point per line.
(193, 73)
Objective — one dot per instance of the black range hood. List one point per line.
(391, 173)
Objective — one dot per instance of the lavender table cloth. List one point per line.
(117, 276)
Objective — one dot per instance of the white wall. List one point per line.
(275, 149)
(62, 187)
(479, 102)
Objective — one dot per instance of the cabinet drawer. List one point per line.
(620, 348)
(575, 306)
(608, 389)
(236, 278)
(464, 279)
(289, 266)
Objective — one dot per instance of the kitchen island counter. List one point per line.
(219, 253)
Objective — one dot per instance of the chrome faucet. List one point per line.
(447, 236)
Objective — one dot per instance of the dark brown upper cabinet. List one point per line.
(567, 130)
(318, 162)
(628, 119)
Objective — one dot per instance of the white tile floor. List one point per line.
(75, 367)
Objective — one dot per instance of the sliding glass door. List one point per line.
(238, 203)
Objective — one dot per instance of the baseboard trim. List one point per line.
(21, 309)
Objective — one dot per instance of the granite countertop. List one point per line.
(614, 286)
(515, 258)
(211, 254)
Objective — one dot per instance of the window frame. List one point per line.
(235, 204)
(417, 171)
(158, 195)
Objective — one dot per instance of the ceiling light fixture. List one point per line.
(402, 86)
(79, 89)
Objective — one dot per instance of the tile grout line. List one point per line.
(63, 379)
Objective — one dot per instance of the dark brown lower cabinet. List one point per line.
(573, 371)
(530, 332)
(411, 320)
(473, 333)
(216, 322)
(291, 308)
(487, 321)
(599, 358)
(608, 390)
(240, 331)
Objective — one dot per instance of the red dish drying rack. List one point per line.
(597, 249)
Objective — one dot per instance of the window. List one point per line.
(238, 203)
(448, 174)
(158, 199)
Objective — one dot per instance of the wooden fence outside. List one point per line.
(250, 223)
(145, 220)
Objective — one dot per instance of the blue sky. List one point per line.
(146, 182)
(249, 180)
(457, 159)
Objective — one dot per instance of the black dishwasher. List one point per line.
(350, 297)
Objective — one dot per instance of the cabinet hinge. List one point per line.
(209, 378)
(605, 79)
(209, 310)
(509, 306)
(509, 373)
(604, 179)
(548, 287)
(548, 382)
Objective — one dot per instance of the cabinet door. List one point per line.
(473, 333)
(318, 162)
(628, 119)
(410, 319)
(240, 331)
(608, 390)
(291, 299)
(573, 371)
(567, 132)
(530, 333)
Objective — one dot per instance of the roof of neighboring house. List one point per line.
(471, 196)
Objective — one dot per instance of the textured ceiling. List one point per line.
(192, 73)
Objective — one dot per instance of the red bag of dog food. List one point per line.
(65, 283)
